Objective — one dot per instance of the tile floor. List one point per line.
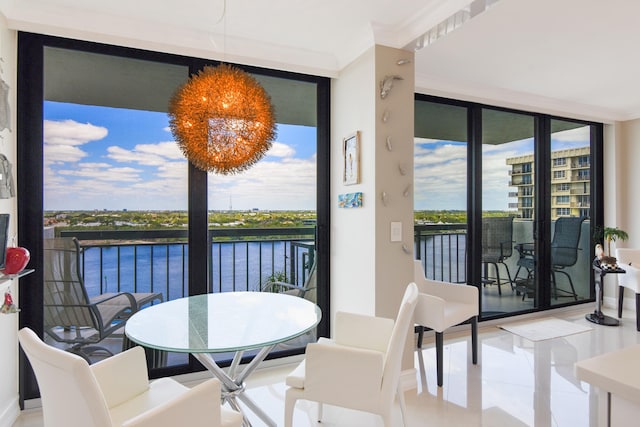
(517, 382)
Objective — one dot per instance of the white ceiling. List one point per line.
(572, 57)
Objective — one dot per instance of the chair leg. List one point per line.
(319, 412)
(620, 300)
(439, 357)
(474, 340)
(420, 329)
(498, 278)
(638, 312)
(403, 405)
(506, 268)
(573, 290)
(289, 405)
(555, 287)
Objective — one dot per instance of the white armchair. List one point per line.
(629, 261)
(442, 305)
(117, 392)
(358, 369)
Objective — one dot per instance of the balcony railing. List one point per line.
(157, 260)
(442, 249)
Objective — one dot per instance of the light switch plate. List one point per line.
(396, 232)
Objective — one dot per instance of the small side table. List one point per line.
(598, 316)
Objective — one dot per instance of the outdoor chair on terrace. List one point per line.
(497, 246)
(70, 316)
(306, 291)
(564, 250)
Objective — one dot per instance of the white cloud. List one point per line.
(440, 175)
(70, 132)
(278, 149)
(63, 138)
(62, 153)
(581, 134)
(285, 184)
(146, 154)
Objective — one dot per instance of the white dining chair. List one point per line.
(629, 261)
(442, 305)
(359, 368)
(116, 392)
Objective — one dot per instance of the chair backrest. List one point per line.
(311, 283)
(65, 297)
(401, 328)
(628, 256)
(497, 238)
(566, 237)
(70, 393)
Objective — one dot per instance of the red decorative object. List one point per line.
(8, 306)
(17, 259)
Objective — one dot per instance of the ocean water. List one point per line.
(237, 266)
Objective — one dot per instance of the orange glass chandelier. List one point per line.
(222, 120)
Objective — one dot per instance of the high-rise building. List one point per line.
(570, 190)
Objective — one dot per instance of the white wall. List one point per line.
(622, 200)
(353, 230)
(9, 408)
(369, 273)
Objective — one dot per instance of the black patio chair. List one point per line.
(497, 246)
(564, 251)
(70, 315)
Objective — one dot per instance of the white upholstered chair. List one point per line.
(629, 261)
(442, 305)
(359, 368)
(117, 392)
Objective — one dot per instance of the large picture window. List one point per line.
(110, 204)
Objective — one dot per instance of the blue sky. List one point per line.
(110, 158)
(441, 170)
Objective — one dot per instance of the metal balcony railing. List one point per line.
(157, 260)
(442, 248)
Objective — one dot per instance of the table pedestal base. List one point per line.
(232, 382)
(600, 319)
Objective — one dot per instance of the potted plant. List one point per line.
(610, 234)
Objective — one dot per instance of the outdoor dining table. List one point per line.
(225, 322)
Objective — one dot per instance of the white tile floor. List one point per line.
(517, 382)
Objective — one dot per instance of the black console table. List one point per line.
(598, 316)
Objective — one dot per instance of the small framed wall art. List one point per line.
(351, 159)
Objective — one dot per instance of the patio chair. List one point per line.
(70, 316)
(307, 290)
(117, 392)
(564, 250)
(497, 246)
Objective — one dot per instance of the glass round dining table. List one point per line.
(225, 322)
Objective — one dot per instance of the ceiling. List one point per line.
(576, 58)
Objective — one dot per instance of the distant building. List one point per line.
(570, 183)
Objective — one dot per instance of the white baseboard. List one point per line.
(408, 380)
(9, 412)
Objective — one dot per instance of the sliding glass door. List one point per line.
(109, 205)
(531, 204)
(507, 256)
